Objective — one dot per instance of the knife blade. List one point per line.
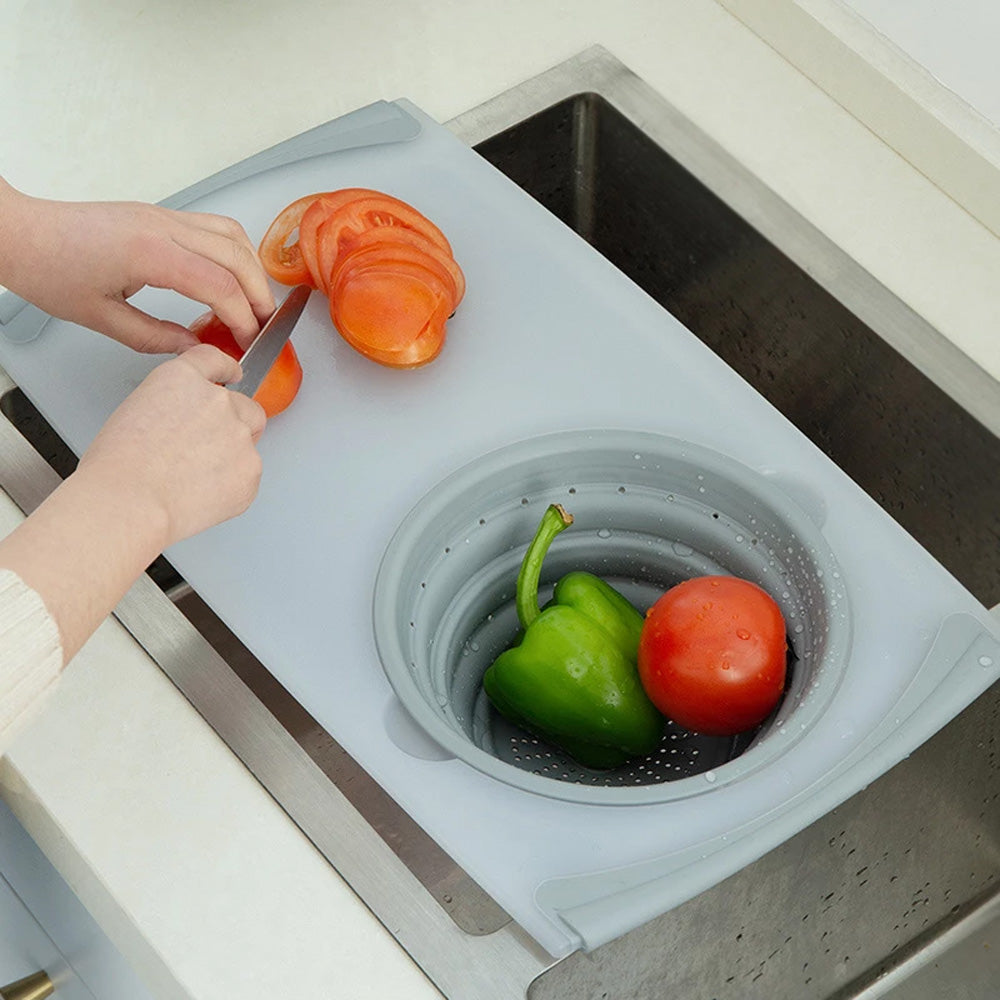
(266, 346)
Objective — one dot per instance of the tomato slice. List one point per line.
(314, 218)
(420, 351)
(280, 385)
(396, 241)
(280, 255)
(386, 305)
(388, 254)
(378, 210)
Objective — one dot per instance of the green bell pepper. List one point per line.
(573, 679)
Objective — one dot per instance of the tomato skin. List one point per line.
(280, 385)
(712, 655)
(281, 256)
(313, 221)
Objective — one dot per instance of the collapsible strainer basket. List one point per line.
(649, 511)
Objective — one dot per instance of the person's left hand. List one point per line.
(82, 261)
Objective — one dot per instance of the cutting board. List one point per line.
(550, 337)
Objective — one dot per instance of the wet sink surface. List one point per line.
(886, 895)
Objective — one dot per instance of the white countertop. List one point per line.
(921, 75)
(190, 867)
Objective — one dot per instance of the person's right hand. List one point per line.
(178, 456)
(181, 446)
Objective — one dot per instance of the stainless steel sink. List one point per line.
(892, 894)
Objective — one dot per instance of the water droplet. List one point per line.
(683, 550)
(474, 646)
(739, 538)
(710, 776)
(986, 661)
(743, 633)
(442, 700)
(637, 456)
(604, 533)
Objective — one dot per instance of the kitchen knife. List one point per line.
(262, 353)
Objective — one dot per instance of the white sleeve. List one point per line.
(30, 654)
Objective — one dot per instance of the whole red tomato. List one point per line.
(712, 655)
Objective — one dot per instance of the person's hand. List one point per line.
(179, 455)
(181, 447)
(82, 261)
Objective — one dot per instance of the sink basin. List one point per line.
(867, 900)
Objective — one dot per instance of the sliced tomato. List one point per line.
(279, 253)
(395, 241)
(420, 351)
(385, 253)
(280, 385)
(387, 305)
(378, 210)
(389, 271)
(314, 218)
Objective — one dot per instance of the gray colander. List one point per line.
(649, 512)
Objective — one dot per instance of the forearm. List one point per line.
(82, 549)
(16, 247)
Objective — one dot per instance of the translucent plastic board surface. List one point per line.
(550, 337)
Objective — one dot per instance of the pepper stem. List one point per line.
(554, 520)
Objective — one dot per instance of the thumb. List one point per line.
(212, 364)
